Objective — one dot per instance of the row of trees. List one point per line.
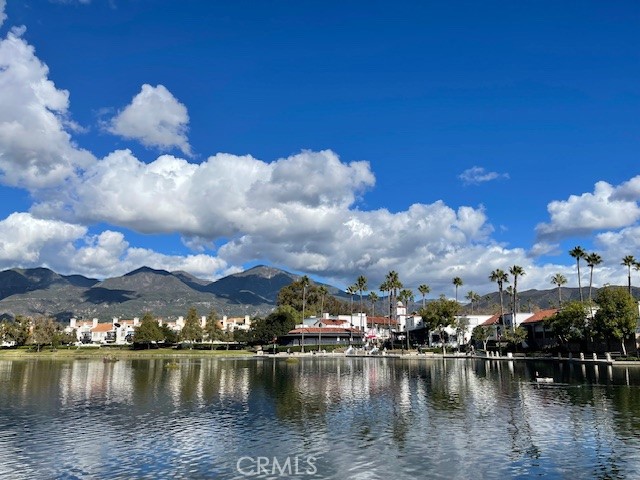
(39, 332)
(150, 331)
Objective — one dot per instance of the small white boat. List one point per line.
(540, 379)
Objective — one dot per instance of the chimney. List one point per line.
(136, 321)
(247, 320)
(95, 322)
(72, 323)
(203, 321)
(180, 321)
(114, 320)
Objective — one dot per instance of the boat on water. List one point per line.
(540, 379)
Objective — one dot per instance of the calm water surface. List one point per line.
(337, 418)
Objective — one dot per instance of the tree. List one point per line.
(482, 333)
(629, 261)
(44, 330)
(568, 324)
(406, 296)
(266, 330)
(578, 252)
(439, 314)
(424, 291)
(361, 285)
(322, 291)
(516, 271)
(617, 315)
(373, 298)
(559, 280)
(516, 336)
(500, 277)
(315, 301)
(394, 284)
(148, 331)
(457, 282)
(192, 331)
(351, 291)
(212, 330)
(592, 260)
(473, 297)
(20, 330)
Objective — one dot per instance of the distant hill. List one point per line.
(41, 291)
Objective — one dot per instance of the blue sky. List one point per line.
(437, 139)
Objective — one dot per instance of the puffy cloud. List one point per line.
(477, 175)
(27, 241)
(155, 118)
(606, 208)
(224, 196)
(35, 149)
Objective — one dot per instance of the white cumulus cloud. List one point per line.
(3, 15)
(35, 149)
(606, 208)
(155, 118)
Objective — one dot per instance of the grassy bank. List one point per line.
(99, 353)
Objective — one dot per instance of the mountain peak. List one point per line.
(145, 269)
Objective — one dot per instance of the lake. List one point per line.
(320, 417)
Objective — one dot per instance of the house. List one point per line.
(316, 336)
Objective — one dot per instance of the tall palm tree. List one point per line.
(500, 277)
(559, 280)
(516, 271)
(394, 285)
(578, 252)
(361, 285)
(373, 298)
(406, 296)
(592, 260)
(457, 282)
(352, 290)
(322, 290)
(424, 291)
(472, 297)
(304, 281)
(629, 261)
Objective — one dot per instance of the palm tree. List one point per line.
(406, 296)
(472, 297)
(384, 287)
(578, 252)
(629, 261)
(304, 281)
(457, 282)
(352, 290)
(361, 285)
(373, 298)
(393, 279)
(516, 271)
(424, 291)
(559, 280)
(592, 260)
(500, 277)
(322, 290)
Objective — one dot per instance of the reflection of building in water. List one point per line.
(87, 381)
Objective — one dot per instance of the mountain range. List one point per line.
(43, 292)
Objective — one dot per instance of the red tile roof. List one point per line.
(381, 320)
(103, 327)
(541, 315)
(492, 321)
(298, 331)
(331, 321)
